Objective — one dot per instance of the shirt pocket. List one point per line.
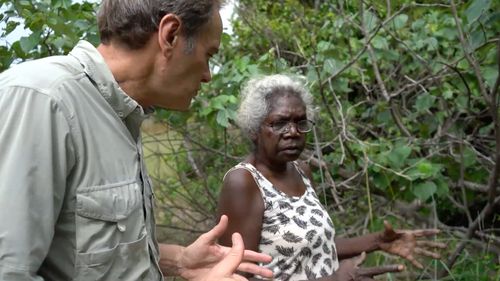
(110, 233)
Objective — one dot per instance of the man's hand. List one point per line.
(349, 270)
(224, 270)
(199, 258)
(405, 243)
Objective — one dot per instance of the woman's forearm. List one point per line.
(350, 247)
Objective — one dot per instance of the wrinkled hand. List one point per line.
(349, 270)
(405, 243)
(224, 270)
(202, 255)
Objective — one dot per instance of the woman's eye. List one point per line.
(280, 124)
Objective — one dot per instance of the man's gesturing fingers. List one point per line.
(225, 269)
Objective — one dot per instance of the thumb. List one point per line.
(212, 235)
(388, 230)
(235, 256)
(359, 259)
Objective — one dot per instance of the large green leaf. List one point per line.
(400, 21)
(28, 43)
(476, 9)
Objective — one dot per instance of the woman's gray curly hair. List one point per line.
(257, 95)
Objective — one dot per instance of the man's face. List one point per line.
(188, 67)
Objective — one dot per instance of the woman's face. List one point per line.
(281, 147)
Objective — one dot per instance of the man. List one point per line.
(75, 198)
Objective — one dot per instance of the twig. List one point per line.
(486, 212)
(494, 239)
(380, 82)
(469, 56)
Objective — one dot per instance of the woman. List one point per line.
(270, 199)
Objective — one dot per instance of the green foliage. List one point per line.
(47, 27)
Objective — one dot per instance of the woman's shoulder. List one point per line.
(240, 177)
(240, 189)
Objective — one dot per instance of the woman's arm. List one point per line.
(350, 247)
(407, 244)
(241, 201)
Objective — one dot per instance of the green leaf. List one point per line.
(11, 26)
(381, 181)
(418, 24)
(490, 75)
(424, 170)
(331, 66)
(380, 42)
(469, 157)
(442, 187)
(222, 118)
(447, 94)
(370, 20)
(400, 21)
(311, 74)
(432, 44)
(384, 117)
(398, 156)
(324, 46)
(476, 9)
(425, 190)
(28, 43)
(424, 102)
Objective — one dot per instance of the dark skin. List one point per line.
(242, 201)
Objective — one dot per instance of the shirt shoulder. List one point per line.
(42, 75)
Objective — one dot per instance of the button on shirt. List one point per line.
(75, 197)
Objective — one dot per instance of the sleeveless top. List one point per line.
(296, 231)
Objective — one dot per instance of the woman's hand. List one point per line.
(198, 259)
(349, 270)
(406, 243)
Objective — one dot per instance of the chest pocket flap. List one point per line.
(109, 203)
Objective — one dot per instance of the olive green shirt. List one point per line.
(75, 199)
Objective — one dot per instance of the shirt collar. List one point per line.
(98, 71)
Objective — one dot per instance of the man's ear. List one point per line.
(168, 32)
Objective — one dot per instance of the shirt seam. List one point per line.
(68, 117)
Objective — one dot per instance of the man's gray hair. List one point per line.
(131, 22)
(258, 94)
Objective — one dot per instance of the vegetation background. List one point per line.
(407, 126)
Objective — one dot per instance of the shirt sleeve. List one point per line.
(36, 155)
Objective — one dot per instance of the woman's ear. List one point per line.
(253, 138)
(168, 32)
